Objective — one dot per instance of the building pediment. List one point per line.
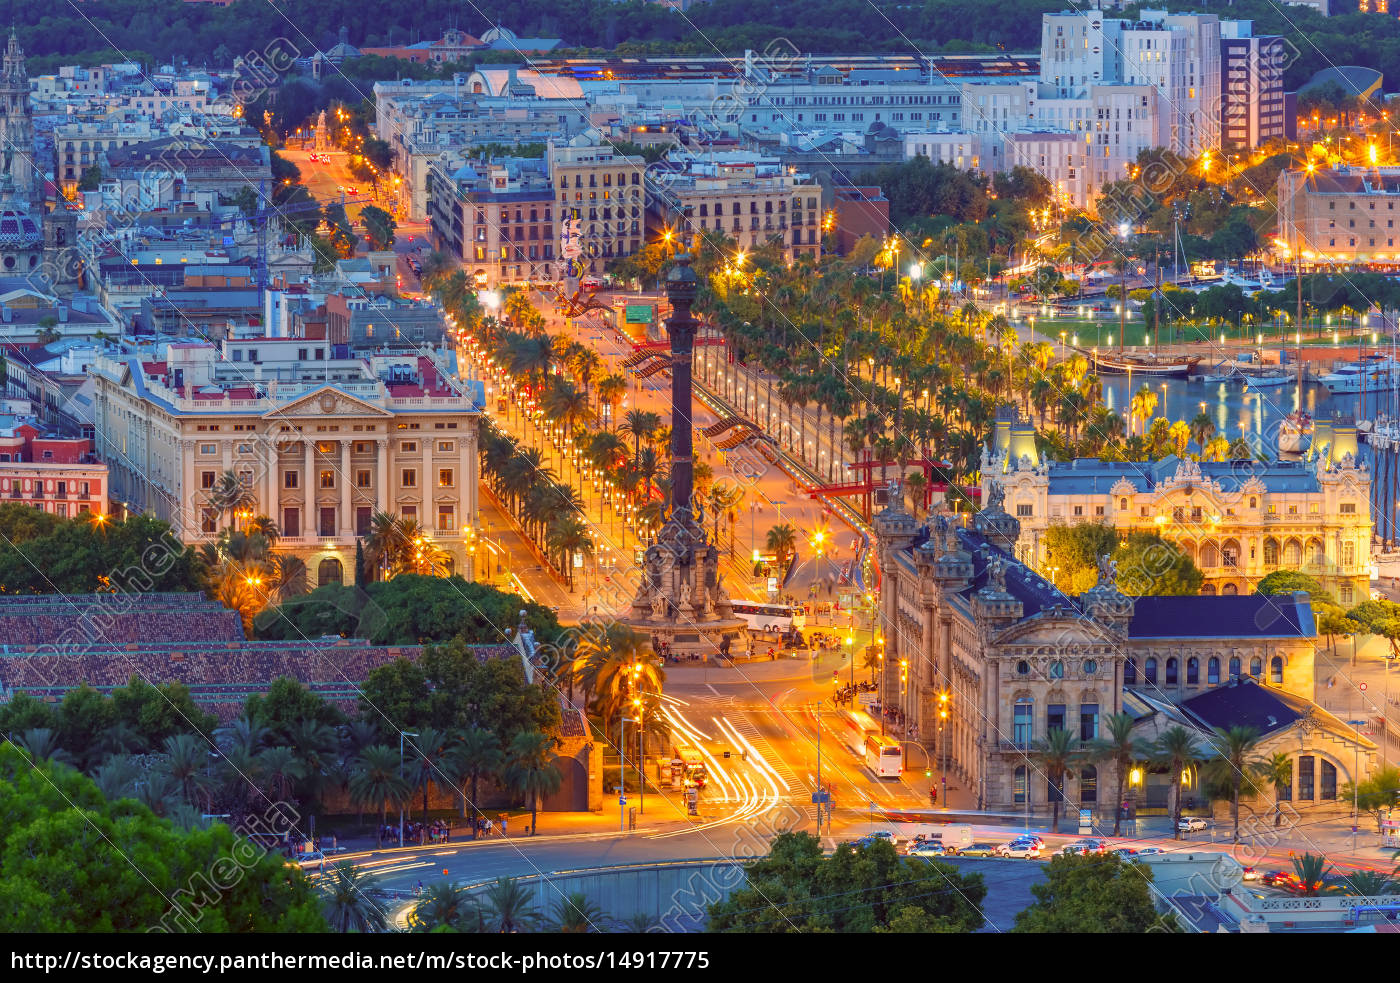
(325, 401)
(1057, 629)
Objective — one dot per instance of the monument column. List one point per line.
(681, 328)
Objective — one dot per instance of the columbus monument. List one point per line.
(681, 602)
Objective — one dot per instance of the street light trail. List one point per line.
(757, 759)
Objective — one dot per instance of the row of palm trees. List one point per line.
(1229, 761)
(250, 766)
(508, 906)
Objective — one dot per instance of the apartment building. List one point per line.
(320, 444)
(497, 217)
(78, 146)
(1341, 215)
(1252, 102)
(603, 190)
(49, 471)
(750, 199)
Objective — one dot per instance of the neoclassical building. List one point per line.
(1010, 658)
(320, 442)
(1238, 520)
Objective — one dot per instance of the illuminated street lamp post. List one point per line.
(402, 735)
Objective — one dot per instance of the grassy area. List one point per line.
(1103, 332)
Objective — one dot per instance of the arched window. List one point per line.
(1253, 502)
(1193, 671)
(1327, 786)
(1089, 784)
(1276, 670)
(1229, 590)
(1234, 668)
(1171, 672)
(1057, 670)
(1256, 667)
(1149, 671)
(1208, 589)
(1018, 792)
(1270, 552)
(1213, 671)
(328, 572)
(1129, 673)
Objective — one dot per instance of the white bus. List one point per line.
(883, 757)
(857, 725)
(775, 618)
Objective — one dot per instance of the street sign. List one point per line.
(821, 798)
(622, 800)
(1363, 687)
(1086, 820)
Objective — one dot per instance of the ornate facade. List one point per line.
(982, 637)
(320, 447)
(1238, 520)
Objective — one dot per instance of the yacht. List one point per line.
(1271, 381)
(1265, 281)
(1374, 374)
(1295, 432)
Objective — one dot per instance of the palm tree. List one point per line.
(1056, 755)
(346, 901)
(1232, 764)
(639, 923)
(1118, 748)
(1180, 435)
(43, 745)
(229, 494)
(1312, 871)
(530, 771)
(575, 914)
(440, 905)
(478, 755)
(782, 541)
(569, 536)
(281, 769)
(1202, 429)
(187, 762)
(1176, 748)
(376, 779)
(642, 426)
(610, 661)
(1366, 884)
(435, 762)
(385, 545)
(507, 907)
(1277, 770)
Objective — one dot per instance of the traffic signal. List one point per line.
(928, 773)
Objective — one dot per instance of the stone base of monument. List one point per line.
(688, 640)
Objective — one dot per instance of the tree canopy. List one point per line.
(451, 688)
(407, 610)
(1093, 893)
(796, 888)
(70, 861)
(44, 554)
(1147, 563)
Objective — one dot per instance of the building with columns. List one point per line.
(1239, 521)
(321, 440)
(975, 634)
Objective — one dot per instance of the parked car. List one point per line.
(1124, 851)
(884, 834)
(1150, 851)
(1192, 824)
(1086, 846)
(1020, 849)
(928, 848)
(1035, 838)
(978, 850)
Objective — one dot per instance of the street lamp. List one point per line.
(851, 655)
(402, 735)
(641, 754)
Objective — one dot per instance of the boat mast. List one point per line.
(1122, 303)
(1299, 335)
